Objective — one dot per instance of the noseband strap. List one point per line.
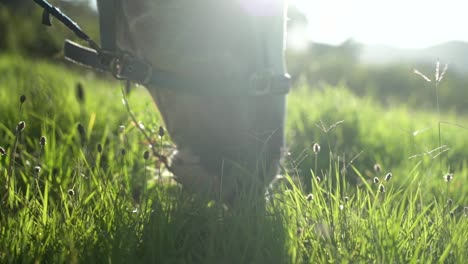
(123, 66)
(126, 67)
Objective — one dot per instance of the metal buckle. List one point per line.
(117, 66)
(261, 83)
(122, 68)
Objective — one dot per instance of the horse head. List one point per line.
(227, 142)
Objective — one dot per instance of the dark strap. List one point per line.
(68, 22)
(107, 10)
(126, 67)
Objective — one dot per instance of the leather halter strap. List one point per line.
(128, 68)
(124, 66)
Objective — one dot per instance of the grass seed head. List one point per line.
(388, 176)
(316, 148)
(376, 180)
(37, 169)
(2, 151)
(20, 127)
(377, 168)
(299, 231)
(318, 179)
(99, 148)
(146, 155)
(22, 99)
(448, 177)
(346, 199)
(42, 141)
(449, 202)
(310, 197)
(161, 131)
(381, 188)
(81, 130)
(122, 129)
(80, 94)
(341, 207)
(71, 192)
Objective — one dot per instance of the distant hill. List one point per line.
(455, 53)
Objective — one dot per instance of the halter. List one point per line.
(124, 66)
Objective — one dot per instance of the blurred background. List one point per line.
(371, 47)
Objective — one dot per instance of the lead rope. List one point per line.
(68, 22)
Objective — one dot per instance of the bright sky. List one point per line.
(401, 23)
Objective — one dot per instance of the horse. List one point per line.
(215, 70)
(228, 144)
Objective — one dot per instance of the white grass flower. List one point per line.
(20, 127)
(422, 75)
(441, 76)
(448, 177)
(388, 176)
(316, 148)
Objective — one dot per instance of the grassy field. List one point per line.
(387, 186)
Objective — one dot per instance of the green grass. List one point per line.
(110, 206)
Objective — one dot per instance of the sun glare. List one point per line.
(401, 23)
